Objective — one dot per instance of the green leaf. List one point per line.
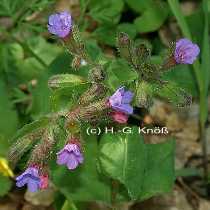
(23, 141)
(145, 170)
(159, 173)
(7, 113)
(63, 98)
(175, 7)
(152, 18)
(41, 103)
(93, 50)
(120, 73)
(127, 28)
(32, 127)
(69, 205)
(119, 159)
(8, 120)
(139, 5)
(173, 93)
(205, 65)
(105, 34)
(83, 183)
(5, 184)
(29, 67)
(65, 80)
(106, 11)
(40, 98)
(186, 81)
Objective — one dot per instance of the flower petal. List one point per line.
(33, 186)
(125, 108)
(72, 162)
(62, 158)
(127, 97)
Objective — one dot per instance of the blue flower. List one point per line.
(70, 156)
(30, 178)
(60, 24)
(186, 52)
(120, 101)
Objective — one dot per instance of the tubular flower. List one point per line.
(120, 101)
(186, 52)
(30, 178)
(60, 24)
(119, 117)
(44, 182)
(70, 156)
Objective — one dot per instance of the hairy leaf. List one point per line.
(145, 170)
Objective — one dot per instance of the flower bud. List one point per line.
(143, 95)
(65, 80)
(119, 117)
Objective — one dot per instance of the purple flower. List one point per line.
(120, 101)
(60, 24)
(30, 178)
(186, 52)
(70, 156)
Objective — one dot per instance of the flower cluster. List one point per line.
(70, 155)
(60, 24)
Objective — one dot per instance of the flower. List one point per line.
(70, 156)
(119, 117)
(120, 100)
(44, 182)
(30, 178)
(60, 24)
(186, 52)
(4, 168)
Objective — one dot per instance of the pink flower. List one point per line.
(44, 182)
(119, 117)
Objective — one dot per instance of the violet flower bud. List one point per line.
(60, 24)
(70, 155)
(186, 52)
(30, 178)
(120, 101)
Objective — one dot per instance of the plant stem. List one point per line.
(202, 125)
(115, 187)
